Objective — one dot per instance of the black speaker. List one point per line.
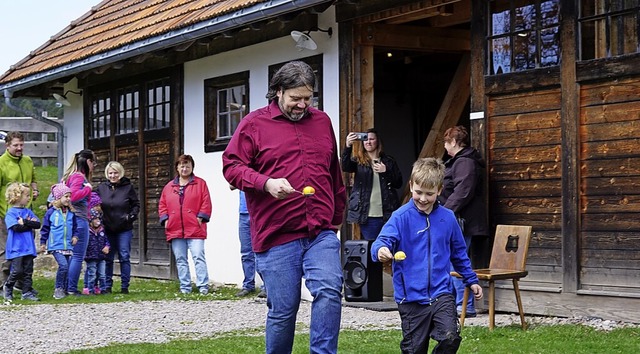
(362, 276)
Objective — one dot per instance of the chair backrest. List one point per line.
(510, 247)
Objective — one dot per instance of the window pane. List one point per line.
(235, 120)
(223, 125)
(550, 51)
(525, 17)
(524, 52)
(524, 35)
(158, 104)
(501, 55)
(624, 37)
(223, 102)
(500, 22)
(549, 13)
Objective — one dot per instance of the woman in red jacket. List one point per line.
(184, 209)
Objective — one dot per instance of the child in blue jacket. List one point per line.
(21, 247)
(431, 239)
(59, 234)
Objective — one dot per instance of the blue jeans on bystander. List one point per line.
(121, 245)
(95, 275)
(371, 229)
(459, 288)
(180, 248)
(79, 251)
(63, 270)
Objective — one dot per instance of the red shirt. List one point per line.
(266, 145)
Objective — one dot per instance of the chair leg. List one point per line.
(465, 298)
(492, 305)
(516, 289)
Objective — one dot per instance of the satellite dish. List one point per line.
(61, 100)
(303, 41)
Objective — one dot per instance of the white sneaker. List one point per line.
(59, 293)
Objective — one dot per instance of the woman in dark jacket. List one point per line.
(462, 192)
(372, 200)
(120, 205)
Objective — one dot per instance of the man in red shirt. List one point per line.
(274, 153)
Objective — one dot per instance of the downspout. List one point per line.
(60, 134)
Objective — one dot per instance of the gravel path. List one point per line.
(59, 328)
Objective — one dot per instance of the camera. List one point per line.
(363, 136)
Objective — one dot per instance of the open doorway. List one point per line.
(409, 90)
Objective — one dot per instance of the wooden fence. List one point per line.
(40, 139)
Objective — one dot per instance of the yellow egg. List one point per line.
(399, 256)
(308, 190)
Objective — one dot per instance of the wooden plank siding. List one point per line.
(159, 170)
(610, 186)
(524, 147)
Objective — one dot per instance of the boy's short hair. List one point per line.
(14, 192)
(428, 172)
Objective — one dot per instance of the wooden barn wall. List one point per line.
(158, 171)
(150, 252)
(610, 187)
(524, 149)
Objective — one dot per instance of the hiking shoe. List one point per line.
(244, 292)
(18, 287)
(29, 295)
(59, 293)
(262, 294)
(8, 293)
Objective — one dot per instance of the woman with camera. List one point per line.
(376, 177)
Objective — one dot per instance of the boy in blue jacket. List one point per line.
(431, 239)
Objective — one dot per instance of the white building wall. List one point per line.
(222, 245)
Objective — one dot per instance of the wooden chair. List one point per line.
(508, 261)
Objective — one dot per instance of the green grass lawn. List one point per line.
(46, 177)
(542, 339)
(140, 290)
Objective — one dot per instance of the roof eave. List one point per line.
(219, 24)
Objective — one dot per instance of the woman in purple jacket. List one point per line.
(184, 210)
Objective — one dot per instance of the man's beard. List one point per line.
(294, 117)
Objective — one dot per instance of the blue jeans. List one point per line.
(458, 285)
(95, 271)
(282, 268)
(371, 229)
(120, 244)
(180, 247)
(79, 251)
(246, 252)
(63, 270)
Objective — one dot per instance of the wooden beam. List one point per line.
(379, 10)
(414, 16)
(571, 188)
(366, 87)
(452, 106)
(461, 14)
(415, 38)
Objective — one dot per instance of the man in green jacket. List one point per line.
(14, 167)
